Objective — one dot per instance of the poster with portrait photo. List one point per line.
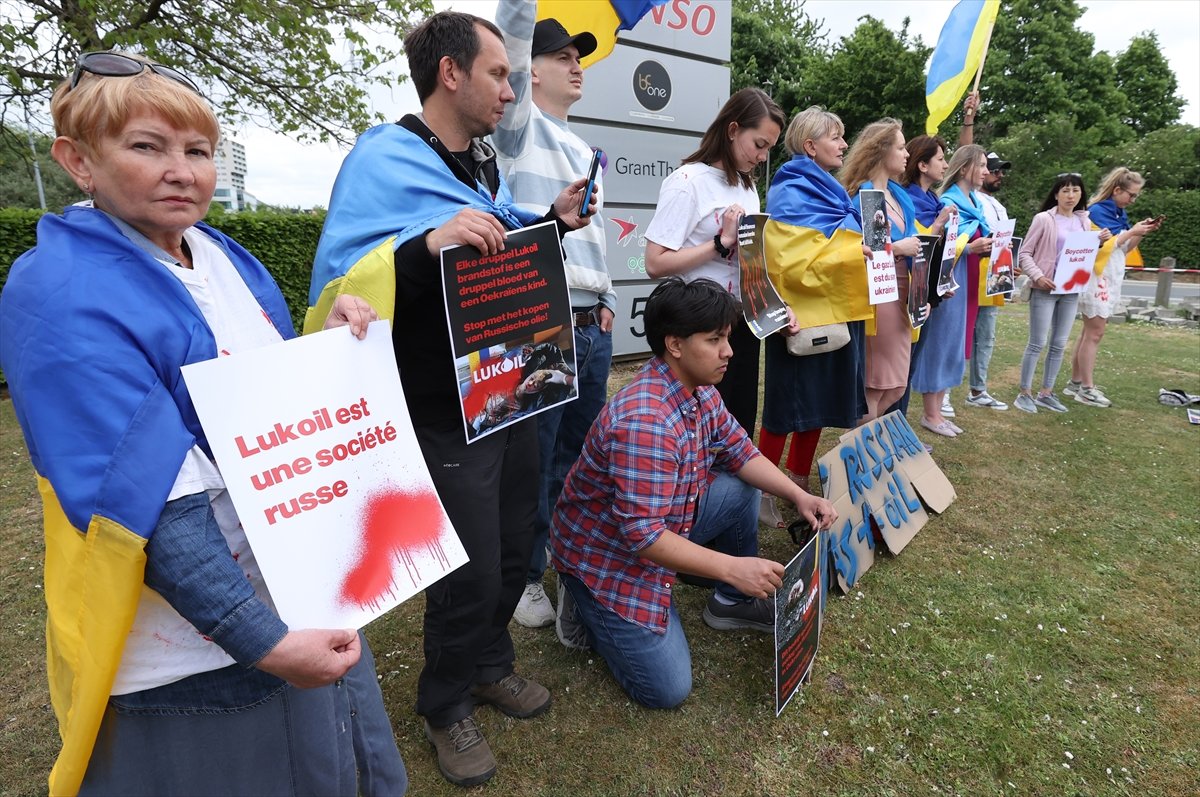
(946, 282)
(510, 329)
(882, 286)
(798, 610)
(764, 311)
(918, 280)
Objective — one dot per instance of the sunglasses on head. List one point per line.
(106, 64)
(1068, 174)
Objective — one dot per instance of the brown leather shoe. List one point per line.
(463, 755)
(515, 696)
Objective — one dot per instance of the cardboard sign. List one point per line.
(1000, 264)
(510, 329)
(315, 445)
(946, 282)
(798, 612)
(877, 477)
(877, 234)
(764, 311)
(1073, 271)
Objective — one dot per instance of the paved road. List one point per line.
(1132, 289)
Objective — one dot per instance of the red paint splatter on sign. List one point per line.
(395, 525)
(1080, 277)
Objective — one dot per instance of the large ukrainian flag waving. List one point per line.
(602, 18)
(960, 49)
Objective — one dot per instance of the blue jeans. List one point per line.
(656, 669)
(985, 342)
(562, 429)
(1050, 314)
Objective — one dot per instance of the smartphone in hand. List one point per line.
(590, 189)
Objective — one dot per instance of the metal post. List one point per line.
(37, 169)
(1166, 273)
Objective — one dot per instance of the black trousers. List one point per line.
(739, 388)
(490, 491)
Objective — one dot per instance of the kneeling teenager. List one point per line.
(666, 469)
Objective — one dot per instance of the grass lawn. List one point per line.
(1039, 638)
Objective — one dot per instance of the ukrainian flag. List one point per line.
(602, 18)
(960, 49)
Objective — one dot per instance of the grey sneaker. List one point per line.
(534, 610)
(463, 755)
(571, 632)
(515, 696)
(1050, 402)
(985, 399)
(757, 614)
(947, 410)
(1092, 396)
(1024, 402)
(1072, 387)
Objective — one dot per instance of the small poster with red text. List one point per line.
(510, 329)
(877, 234)
(798, 609)
(315, 445)
(1073, 271)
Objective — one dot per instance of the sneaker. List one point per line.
(985, 399)
(1092, 396)
(534, 609)
(463, 755)
(1050, 402)
(947, 410)
(1072, 387)
(756, 614)
(571, 632)
(1025, 403)
(515, 696)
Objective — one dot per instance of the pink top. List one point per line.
(1044, 241)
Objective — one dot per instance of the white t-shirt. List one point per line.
(690, 203)
(162, 646)
(993, 211)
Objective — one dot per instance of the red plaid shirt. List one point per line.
(645, 463)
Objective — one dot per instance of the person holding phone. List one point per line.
(1118, 190)
(539, 154)
(694, 230)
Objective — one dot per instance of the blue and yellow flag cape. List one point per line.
(956, 58)
(391, 188)
(814, 246)
(601, 18)
(1107, 216)
(970, 219)
(93, 332)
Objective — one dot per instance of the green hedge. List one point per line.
(1179, 236)
(285, 243)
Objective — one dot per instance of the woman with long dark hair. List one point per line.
(694, 230)
(1063, 212)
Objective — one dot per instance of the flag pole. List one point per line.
(983, 58)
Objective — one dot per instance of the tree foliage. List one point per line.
(1149, 85)
(297, 66)
(18, 189)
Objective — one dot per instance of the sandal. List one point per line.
(768, 512)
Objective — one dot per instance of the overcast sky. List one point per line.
(281, 171)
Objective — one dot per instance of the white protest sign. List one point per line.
(1074, 268)
(946, 282)
(882, 286)
(999, 279)
(315, 445)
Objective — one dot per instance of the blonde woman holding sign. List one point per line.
(1050, 314)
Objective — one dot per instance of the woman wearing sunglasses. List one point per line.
(1063, 212)
(170, 671)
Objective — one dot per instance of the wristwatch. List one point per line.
(722, 250)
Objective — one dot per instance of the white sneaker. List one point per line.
(947, 410)
(535, 609)
(985, 399)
